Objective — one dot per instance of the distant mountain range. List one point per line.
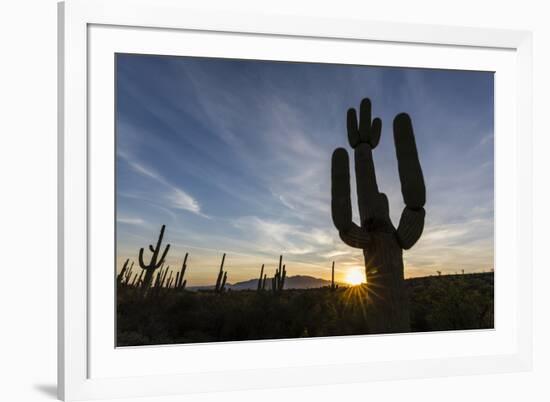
(310, 282)
(291, 282)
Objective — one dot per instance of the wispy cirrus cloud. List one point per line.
(181, 200)
(175, 197)
(130, 221)
(283, 237)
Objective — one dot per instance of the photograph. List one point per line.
(271, 199)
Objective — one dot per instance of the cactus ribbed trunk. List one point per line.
(387, 299)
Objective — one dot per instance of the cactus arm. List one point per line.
(161, 235)
(140, 259)
(155, 262)
(410, 227)
(376, 132)
(350, 233)
(369, 130)
(353, 132)
(413, 188)
(340, 187)
(365, 177)
(355, 237)
(161, 261)
(410, 172)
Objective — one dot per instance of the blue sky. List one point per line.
(234, 156)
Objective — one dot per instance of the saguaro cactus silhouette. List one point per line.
(333, 286)
(382, 243)
(180, 283)
(120, 276)
(261, 279)
(278, 280)
(222, 278)
(155, 262)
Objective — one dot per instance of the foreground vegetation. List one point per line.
(176, 315)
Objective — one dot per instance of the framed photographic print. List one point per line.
(243, 197)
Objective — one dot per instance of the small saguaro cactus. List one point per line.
(128, 275)
(120, 276)
(333, 286)
(222, 278)
(180, 282)
(155, 261)
(278, 280)
(381, 242)
(260, 279)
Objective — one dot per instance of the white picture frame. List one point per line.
(91, 31)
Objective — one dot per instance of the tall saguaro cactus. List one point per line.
(155, 261)
(222, 278)
(382, 243)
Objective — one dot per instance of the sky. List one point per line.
(233, 156)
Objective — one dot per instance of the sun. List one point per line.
(354, 277)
